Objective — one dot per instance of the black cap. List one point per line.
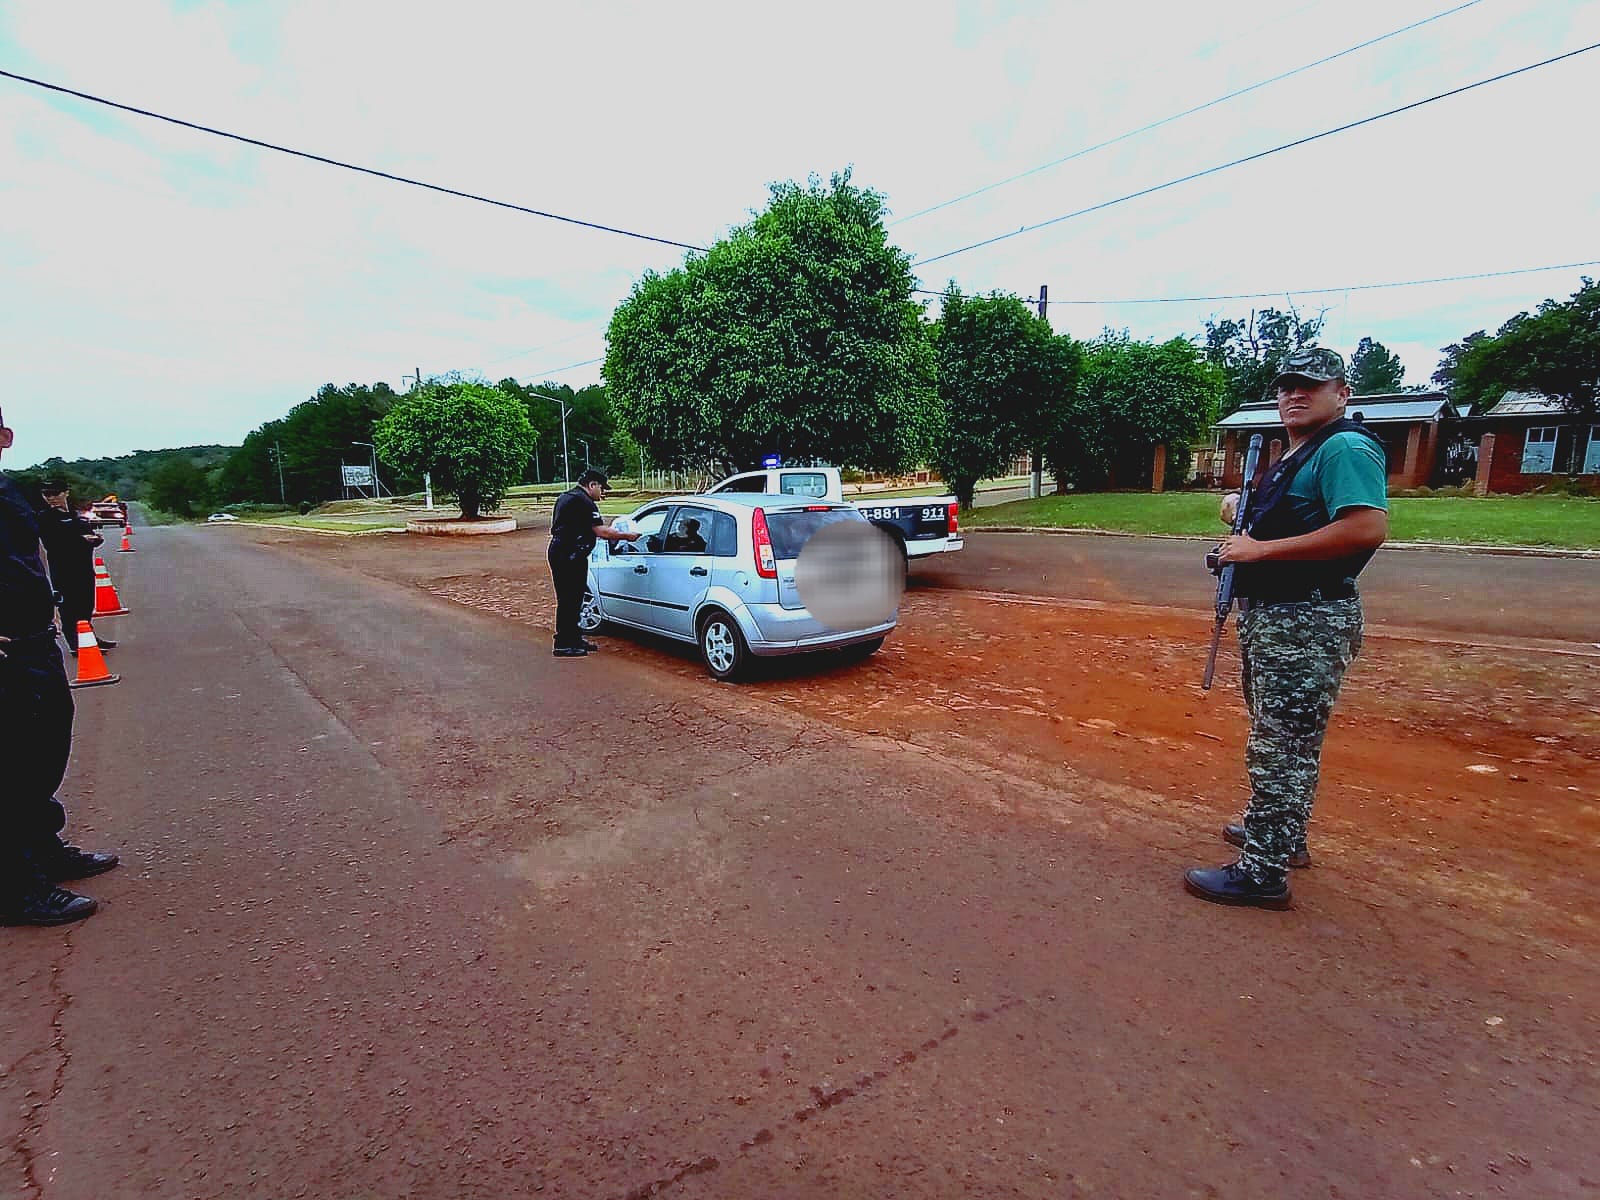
(53, 487)
(593, 476)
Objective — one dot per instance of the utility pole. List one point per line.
(277, 457)
(1036, 479)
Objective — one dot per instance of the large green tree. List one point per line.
(1375, 370)
(796, 334)
(1136, 396)
(591, 428)
(1554, 352)
(310, 442)
(474, 439)
(179, 487)
(1249, 351)
(126, 476)
(1004, 380)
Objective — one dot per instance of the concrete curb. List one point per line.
(309, 529)
(456, 527)
(1448, 547)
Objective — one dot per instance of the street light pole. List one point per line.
(566, 456)
(585, 446)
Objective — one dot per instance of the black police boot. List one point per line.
(1232, 885)
(72, 863)
(1234, 835)
(569, 652)
(47, 905)
(104, 643)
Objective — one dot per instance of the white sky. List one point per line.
(160, 287)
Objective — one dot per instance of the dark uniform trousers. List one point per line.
(75, 607)
(569, 569)
(35, 743)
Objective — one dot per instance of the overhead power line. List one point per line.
(549, 371)
(334, 162)
(1316, 291)
(1160, 187)
(1188, 112)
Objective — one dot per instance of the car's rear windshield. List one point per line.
(792, 530)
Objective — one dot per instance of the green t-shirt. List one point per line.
(1346, 471)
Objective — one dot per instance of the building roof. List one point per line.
(1374, 410)
(1525, 404)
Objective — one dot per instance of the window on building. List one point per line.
(1591, 460)
(1539, 451)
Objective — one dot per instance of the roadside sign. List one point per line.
(356, 476)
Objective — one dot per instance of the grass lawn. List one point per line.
(1553, 521)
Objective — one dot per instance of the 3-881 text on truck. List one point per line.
(920, 525)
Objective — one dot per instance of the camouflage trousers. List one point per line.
(1295, 657)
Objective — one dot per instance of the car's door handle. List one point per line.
(641, 569)
(698, 571)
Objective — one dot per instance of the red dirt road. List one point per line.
(911, 927)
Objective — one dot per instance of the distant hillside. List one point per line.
(127, 476)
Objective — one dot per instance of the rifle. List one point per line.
(1224, 574)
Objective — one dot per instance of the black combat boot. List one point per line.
(46, 905)
(72, 863)
(1232, 885)
(1234, 835)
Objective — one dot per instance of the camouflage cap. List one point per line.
(1311, 362)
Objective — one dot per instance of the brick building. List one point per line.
(1420, 431)
(1526, 441)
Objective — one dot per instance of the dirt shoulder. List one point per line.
(1461, 776)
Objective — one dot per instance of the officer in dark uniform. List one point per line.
(1313, 523)
(70, 542)
(574, 526)
(35, 732)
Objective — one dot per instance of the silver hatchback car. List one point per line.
(719, 571)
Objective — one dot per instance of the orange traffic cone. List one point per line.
(91, 663)
(127, 543)
(106, 601)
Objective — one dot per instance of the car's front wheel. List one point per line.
(589, 618)
(722, 647)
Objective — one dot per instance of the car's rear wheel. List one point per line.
(722, 647)
(589, 618)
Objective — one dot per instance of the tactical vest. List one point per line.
(1271, 517)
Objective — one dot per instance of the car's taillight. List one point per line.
(766, 561)
(955, 523)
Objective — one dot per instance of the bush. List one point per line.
(305, 507)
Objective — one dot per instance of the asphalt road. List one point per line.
(1491, 595)
(409, 908)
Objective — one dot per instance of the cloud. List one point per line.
(164, 287)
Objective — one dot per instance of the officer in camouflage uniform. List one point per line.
(1314, 521)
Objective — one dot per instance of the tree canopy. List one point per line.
(474, 439)
(1375, 369)
(1250, 351)
(1554, 352)
(796, 334)
(1136, 396)
(1004, 382)
(313, 438)
(589, 420)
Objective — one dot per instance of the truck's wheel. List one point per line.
(722, 647)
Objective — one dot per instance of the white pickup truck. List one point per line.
(920, 525)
